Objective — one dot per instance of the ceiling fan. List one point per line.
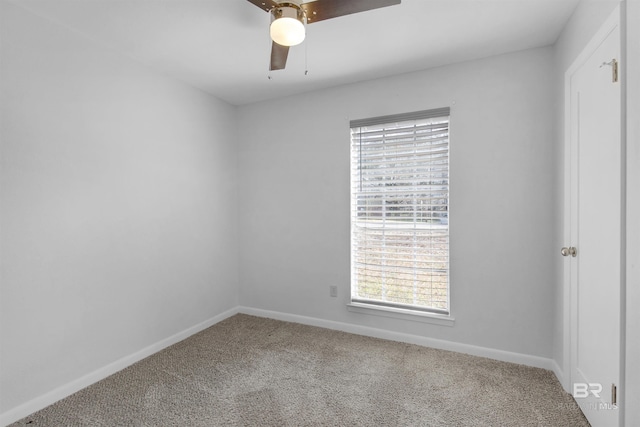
(289, 17)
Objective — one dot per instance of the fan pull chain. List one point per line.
(306, 68)
(269, 44)
(306, 46)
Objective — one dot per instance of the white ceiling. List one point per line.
(222, 46)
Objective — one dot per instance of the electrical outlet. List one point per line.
(333, 291)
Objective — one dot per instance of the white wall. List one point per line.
(584, 23)
(118, 207)
(294, 199)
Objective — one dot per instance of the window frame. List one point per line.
(425, 313)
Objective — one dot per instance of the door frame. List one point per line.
(570, 163)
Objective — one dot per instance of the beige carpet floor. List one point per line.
(251, 371)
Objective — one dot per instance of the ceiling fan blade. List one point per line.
(279, 55)
(265, 5)
(319, 10)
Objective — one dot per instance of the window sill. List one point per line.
(399, 313)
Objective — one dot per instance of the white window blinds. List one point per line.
(400, 211)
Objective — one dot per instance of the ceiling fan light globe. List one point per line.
(287, 31)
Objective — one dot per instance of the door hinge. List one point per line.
(614, 69)
(614, 394)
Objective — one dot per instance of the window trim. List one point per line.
(402, 117)
(402, 314)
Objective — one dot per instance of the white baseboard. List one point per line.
(63, 391)
(68, 389)
(560, 375)
(505, 356)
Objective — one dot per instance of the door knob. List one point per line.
(569, 251)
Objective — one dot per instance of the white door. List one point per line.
(595, 227)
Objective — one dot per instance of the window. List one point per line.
(400, 211)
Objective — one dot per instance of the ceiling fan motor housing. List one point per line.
(288, 10)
